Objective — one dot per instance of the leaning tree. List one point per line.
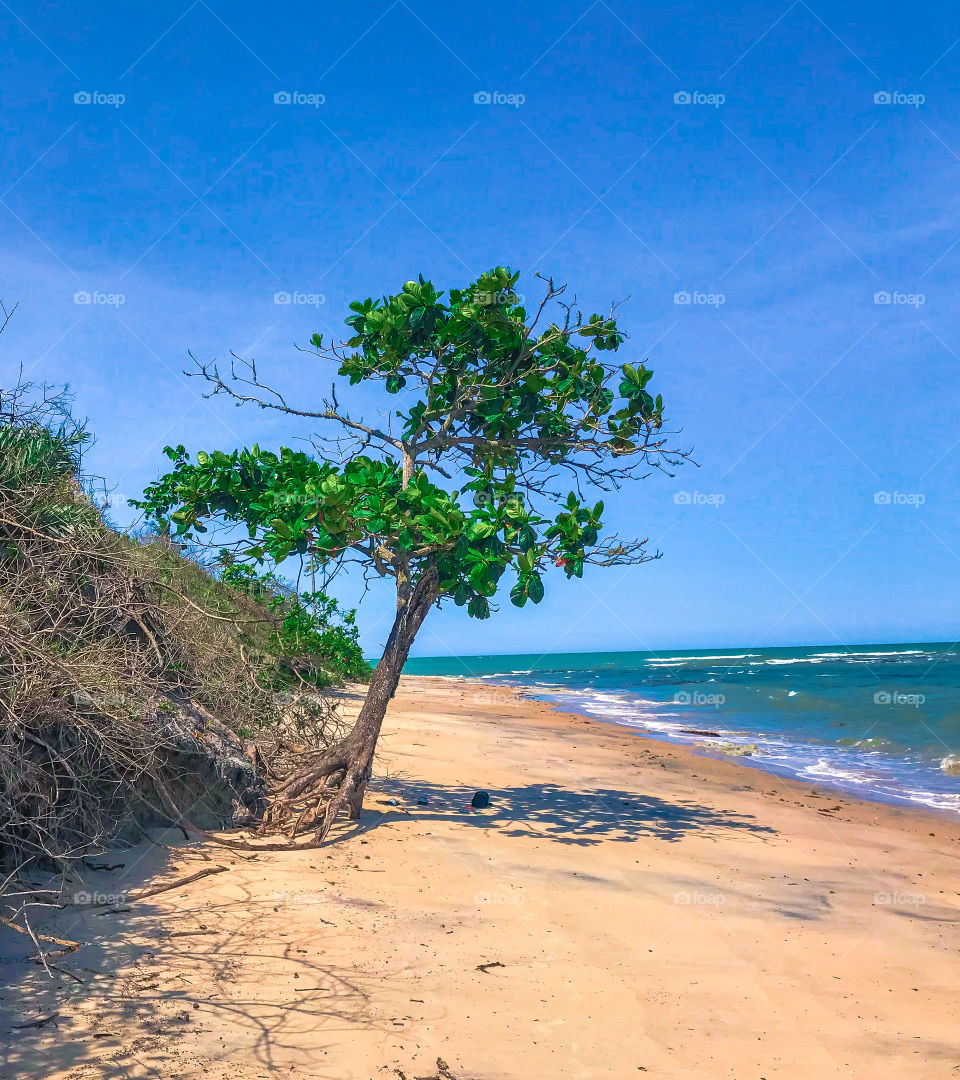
(443, 495)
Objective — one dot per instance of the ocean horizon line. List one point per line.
(858, 646)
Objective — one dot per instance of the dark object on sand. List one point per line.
(51, 1019)
(480, 801)
(443, 1072)
(486, 967)
(698, 731)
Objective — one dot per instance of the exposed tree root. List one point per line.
(313, 796)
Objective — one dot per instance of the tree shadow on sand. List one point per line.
(152, 980)
(551, 812)
(149, 982)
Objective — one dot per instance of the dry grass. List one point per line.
(108, 647)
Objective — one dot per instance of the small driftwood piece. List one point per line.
(65, 945)
(51, 1019)
(485, 968)
(176, 884)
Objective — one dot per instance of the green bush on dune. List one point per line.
(311, 623)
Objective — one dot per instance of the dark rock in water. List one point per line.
(698, 731)
(480, 801)
(421, 802)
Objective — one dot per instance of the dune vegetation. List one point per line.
(137, 685)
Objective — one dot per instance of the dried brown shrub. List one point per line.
(132, 683)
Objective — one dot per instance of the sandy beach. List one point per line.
(622, 908)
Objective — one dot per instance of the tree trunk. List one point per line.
(352, 758)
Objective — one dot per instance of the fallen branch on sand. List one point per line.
(51, 1019)
(63, 971)
(157, 889)
(67, 946)
(183, 881)
(485, 968)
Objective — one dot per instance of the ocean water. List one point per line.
(882, 721)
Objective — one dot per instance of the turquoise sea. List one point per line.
(879, 720)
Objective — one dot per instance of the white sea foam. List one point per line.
(776, 661)
(824, 769)
(904, 778)
(691, 659)
(821, 658)
(935, 800)
(852, 654)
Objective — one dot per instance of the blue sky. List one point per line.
(777, 165)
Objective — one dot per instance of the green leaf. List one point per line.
(479, 608)
(480, 530)
(514, 403)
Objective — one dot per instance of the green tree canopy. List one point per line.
(509, 424)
